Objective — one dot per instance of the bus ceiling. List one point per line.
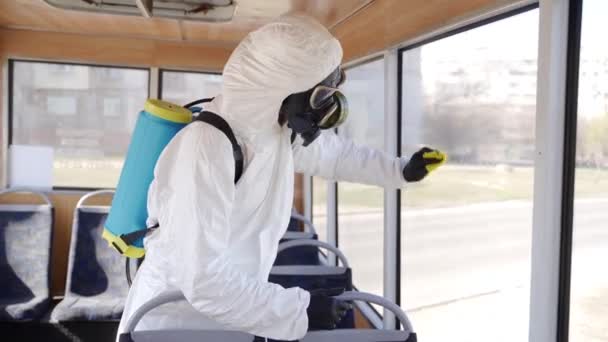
(197, 21)
(364, 27)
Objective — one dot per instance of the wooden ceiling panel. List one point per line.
(363, 26)
(386, 23)
(111, 50)
(252, 14)
(225, 34)
(330, 13)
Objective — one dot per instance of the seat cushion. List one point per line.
(359, 335)
(23, 308)
(78, 308)
(191, 336)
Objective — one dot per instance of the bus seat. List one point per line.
(301, 255)
(295, 220)
(132, 335)
(96, 286)
(367, 335)
(294, 225)
(348, 334)
(26, 232)
(311, 277)
(190, 336)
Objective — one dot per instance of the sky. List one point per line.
(595, 27)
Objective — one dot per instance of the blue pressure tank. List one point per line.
(156, 125)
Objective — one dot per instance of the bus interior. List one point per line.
(508, 241)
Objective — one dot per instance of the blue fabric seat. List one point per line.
(96, 286)
(296, 219)
(301, 255)
(294, 225)
(312, 277)
(26, 233)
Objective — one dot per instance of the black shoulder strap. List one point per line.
(221, 124)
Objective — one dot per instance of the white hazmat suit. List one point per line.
(217, 241)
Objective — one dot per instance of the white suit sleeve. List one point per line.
(335, 158)
(202, 182)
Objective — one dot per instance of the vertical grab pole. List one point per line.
(154, 83)
(332, 219)
(308, 200)
(6, 99)
(391, 207)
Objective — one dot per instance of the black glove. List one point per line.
(422, 163)
(324, 311)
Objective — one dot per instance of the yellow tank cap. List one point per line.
(168, 111)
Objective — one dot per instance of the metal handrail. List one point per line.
(176, 296)
(309, 242)
(164, 298)
(305, 220)
(26, 190)
(92, 194)
(385, 303)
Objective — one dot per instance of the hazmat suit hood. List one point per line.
(290, 55)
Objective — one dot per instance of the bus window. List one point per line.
(361, 207)
(467, 230)
(181, 87)
(85, 113)
(589, 284)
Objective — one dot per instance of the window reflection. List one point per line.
(183, 87)
(361, 207)
(85, 113)
(466, 230)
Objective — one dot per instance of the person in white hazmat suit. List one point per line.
(217, 240)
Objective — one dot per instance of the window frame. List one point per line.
(10, 102)
(573, 60)
(163, 70)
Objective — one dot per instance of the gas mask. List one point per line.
(319, 108)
